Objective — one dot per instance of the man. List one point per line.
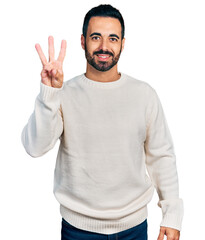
(111, 128)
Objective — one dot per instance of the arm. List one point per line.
(45, 125)
(161, 165)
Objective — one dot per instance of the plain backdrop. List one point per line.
(165, 46)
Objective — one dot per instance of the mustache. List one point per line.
(103, 52)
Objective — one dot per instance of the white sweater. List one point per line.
(110, 133)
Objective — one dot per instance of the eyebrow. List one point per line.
(99, 34)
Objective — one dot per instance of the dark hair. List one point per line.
(103, 10)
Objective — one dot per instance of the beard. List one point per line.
(100, 65)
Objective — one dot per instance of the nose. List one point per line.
(104, 44)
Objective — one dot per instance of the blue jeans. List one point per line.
(69, 232)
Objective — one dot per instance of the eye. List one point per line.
(113, 39)
(95, 38)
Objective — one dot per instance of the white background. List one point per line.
(165, 46)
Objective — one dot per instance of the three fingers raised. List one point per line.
(51, 51)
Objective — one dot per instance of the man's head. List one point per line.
(103, 37)
(105, 10)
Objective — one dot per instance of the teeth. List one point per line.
(103, 56)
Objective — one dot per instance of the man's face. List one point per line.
(103, 44)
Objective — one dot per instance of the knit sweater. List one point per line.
(115, 150)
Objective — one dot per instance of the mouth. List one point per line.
(103, 57)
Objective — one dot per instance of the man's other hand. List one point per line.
(171, 233)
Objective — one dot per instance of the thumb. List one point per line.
(161, 234)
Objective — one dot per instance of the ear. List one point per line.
(123, 43)
(83, 41)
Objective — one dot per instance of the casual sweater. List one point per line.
(115, 150)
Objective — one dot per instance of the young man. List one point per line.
(111, 128)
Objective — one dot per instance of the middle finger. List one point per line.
(51, 48)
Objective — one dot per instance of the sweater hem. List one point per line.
(103, 226)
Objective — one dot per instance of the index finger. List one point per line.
(41, 54)
(62, 51)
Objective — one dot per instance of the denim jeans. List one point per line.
(69, 232)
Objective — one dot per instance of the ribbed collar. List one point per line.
(106, 85)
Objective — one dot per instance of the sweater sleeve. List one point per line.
(161, 165)
(45, 125)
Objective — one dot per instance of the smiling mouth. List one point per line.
(103, 57)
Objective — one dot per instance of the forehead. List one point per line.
(104, 25)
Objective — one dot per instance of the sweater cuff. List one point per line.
(172, 221)
(47, 92)
(172, 211)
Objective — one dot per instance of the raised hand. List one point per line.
(52, 72)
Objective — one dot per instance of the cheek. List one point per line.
(117, 48)
(92, 47)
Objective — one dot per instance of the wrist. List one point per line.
(49, 92)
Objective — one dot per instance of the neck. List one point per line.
(108, 76)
